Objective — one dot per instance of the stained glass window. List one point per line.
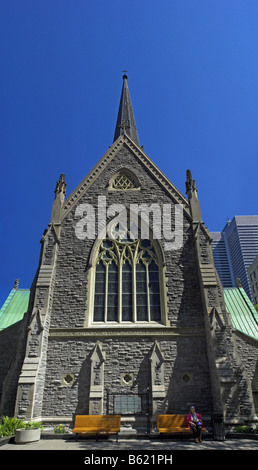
(100, 281)
(141, 292)
(154, 291)
(127, 285)
(112, 294)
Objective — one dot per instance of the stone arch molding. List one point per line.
(124, 219)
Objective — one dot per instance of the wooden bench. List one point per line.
(97, 424)
(174, 424)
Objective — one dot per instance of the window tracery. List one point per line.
(124, 180)
(127, 286)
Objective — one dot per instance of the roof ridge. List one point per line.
(82, 186)
(157, 169)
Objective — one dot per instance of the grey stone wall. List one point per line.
(248, 351)
(9, 339)
(12, 352)
(186, 373)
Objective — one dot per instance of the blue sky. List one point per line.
(193, 74)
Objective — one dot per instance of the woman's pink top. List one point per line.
(190, 416)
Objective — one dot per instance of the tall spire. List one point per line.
(125, 120)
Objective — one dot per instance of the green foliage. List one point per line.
(33, 425)
(9, 425)
(60, 429)
(256, 307)
(245, 429)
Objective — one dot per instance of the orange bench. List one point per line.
(96, 424)
(173, 424)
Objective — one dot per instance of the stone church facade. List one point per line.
(117, 315)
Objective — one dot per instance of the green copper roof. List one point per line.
(242, 312)
(14, 308)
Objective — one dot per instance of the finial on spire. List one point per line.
(60, 192)
(191, 192)
(61, 185)
(190, 183)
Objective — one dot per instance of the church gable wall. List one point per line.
(185, 372)
(72, 273)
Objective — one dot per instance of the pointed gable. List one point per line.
(124, 141)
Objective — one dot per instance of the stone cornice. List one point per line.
(126, 331)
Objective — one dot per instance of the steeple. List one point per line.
(125, 120)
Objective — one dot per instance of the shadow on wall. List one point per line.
(189, 380)
(83, 381)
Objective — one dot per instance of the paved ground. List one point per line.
(133, 445)
(124, 453)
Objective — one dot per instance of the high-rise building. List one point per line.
(221, 259)
(234, 250)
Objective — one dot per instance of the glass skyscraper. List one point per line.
(234, 250)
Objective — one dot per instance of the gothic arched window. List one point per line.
(127, 282)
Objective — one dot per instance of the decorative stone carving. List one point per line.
(157, 375)
(97, 380)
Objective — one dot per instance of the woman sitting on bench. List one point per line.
(194, 422)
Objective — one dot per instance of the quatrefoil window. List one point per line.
(124, 180)
(68, 380)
